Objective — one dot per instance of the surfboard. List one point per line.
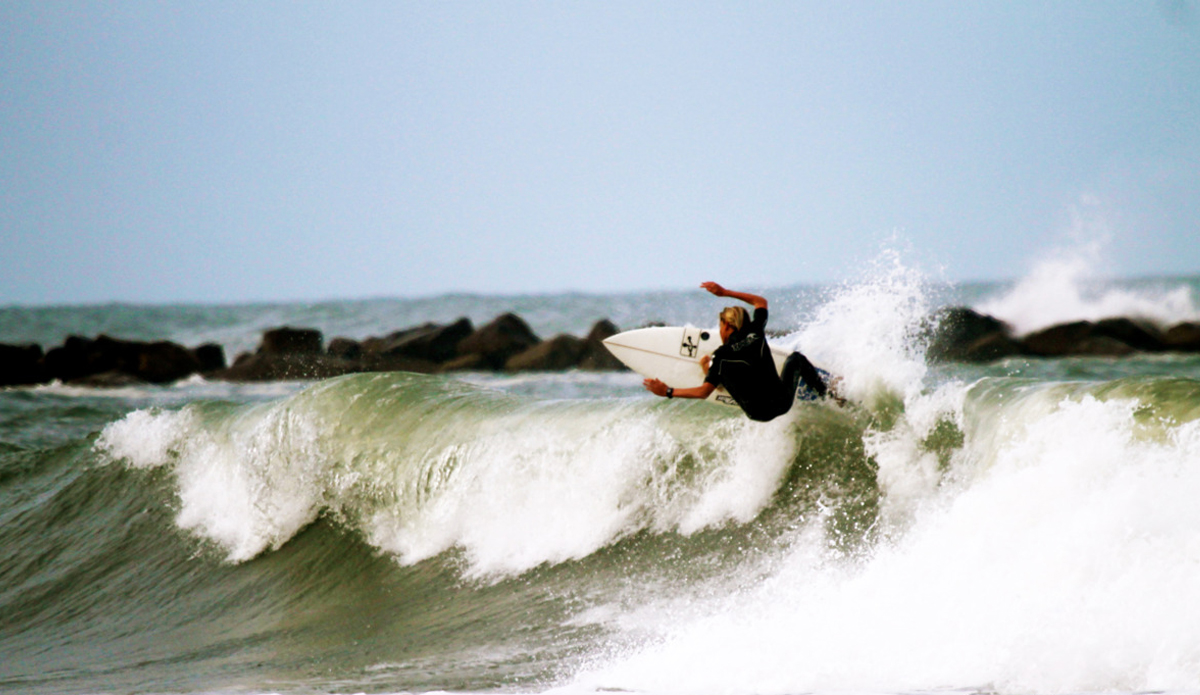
(672, 354)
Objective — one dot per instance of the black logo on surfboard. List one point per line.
(688, 347)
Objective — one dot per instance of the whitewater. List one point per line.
(1027, 526)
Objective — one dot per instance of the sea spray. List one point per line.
(1068, 564)
(868, 332)
(1067, 284)
(913, 456)
(1031, 536)
(871, 333)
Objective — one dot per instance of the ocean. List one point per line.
(1026, 526)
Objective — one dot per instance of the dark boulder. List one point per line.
(602, 330)
(1140, 335)
(963, 334)
(396, 363)
(1103, 346)
(286, 340)
(345, 348)
(595, 356)
(991, 347)
(558, 353)
(287, 354)
(21, 365)
(1075, 338)
(430, 342)
(498, 341)
(73, 359)
(1059, 340)
(465, 363)
(210, 356)
(160, 362)
(1184, 337)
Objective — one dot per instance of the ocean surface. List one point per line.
(1028, 526)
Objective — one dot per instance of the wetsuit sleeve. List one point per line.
(758, 321)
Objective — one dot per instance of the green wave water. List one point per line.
(237, 538)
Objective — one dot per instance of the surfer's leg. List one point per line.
(797, 367)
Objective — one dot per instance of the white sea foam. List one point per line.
(146, 438)
(549, 485)
(1057, 553)
(907, 472)
(248, 485)
(869, 333)
(866, 333)
(1067, 563)
(514, 495)
(1067, 284)
(512, 487)
(1064, 289)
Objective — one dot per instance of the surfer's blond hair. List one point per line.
(735, 316)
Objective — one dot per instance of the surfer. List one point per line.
(743, 364)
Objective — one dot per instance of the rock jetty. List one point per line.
(285, 353)
(961, 334)
(106, 361)
(507, 344)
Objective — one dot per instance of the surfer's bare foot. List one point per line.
(831, 390)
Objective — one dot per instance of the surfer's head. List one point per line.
(732, 320)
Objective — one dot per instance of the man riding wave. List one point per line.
(744, 366)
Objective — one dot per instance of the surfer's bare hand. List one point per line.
(714, 288)
(655, 386)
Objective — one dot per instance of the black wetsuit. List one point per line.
(745, 368)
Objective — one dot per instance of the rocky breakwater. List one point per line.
(961, 334)
(106, 361)
(287, 353)
(505, 344)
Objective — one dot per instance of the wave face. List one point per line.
(413, 531)
(421, 465)
(1027, 526)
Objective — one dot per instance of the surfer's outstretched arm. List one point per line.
(752, 299)
(658, 388)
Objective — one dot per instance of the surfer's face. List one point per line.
(726, 331)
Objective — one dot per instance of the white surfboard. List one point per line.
(672, 354)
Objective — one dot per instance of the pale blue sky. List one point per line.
(230, 151)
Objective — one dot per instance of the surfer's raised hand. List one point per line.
(753, 299)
